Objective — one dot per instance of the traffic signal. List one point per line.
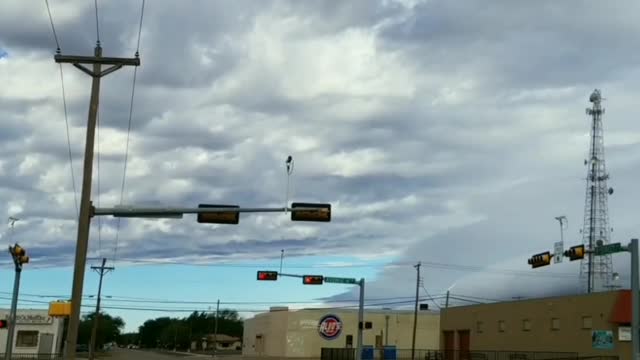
(268, 275)
(4, 324)
(19, 254)
(538, 260)
(228, 217)
(312, 279)
(322, 214)
(575, 252)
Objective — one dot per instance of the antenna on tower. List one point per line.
(596, 230)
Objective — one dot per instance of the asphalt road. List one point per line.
(126, 354)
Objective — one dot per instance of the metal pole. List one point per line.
(446, 304)
(415, 312)
(12, 315)
(360, 321)
(281, 259)
(84, 219)
(635, 308)
(215, 332)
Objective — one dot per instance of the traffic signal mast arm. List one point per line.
(131, 211)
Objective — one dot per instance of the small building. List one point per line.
(303, 333)
(224, 342)
(35, 333)
(588, 324)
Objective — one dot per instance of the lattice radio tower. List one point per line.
(596, 230)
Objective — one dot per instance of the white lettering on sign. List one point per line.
(33, 319)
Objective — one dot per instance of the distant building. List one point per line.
(589, 324)
(35, 333)
(225, 342)
(303, 333)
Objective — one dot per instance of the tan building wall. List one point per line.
(549, 324)
(295, 333)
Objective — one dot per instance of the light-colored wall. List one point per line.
(272, 326)
(570, 337)
(55, 327)
(296, 335)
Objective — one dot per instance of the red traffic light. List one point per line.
(268, 275)
(4, 324)
(312, 279)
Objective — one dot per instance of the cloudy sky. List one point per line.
(444, 132)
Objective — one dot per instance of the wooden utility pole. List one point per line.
(101, 270)
(86, 209)
(215, 332)
(415, 312)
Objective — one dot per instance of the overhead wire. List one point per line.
(97, 23)
(66, 113)
(98, 180)
(53, 27)
(430, 297)
(126, 152)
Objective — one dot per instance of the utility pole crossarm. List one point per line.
(74, 59)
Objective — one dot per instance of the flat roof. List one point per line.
(547, 298)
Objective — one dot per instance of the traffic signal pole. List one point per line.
(635, 300)
(360, 320)
(12, 315)
(19, 257)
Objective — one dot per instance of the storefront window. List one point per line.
(27, 339)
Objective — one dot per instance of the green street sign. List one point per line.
(609, 249)
(339, 280)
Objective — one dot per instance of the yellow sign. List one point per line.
(60, 308)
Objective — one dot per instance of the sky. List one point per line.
(441, 132)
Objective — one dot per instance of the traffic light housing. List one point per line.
(322, 214)
(19, 254)
(538, 260)
(575, 252)
(4, 324)
(227, 217)
(267, 275)
(312, 279)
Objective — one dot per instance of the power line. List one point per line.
(53, 27)
(66, 114)
(126, 151)
(430, 297)
(66, 122)
(98, 174)
(97, 23)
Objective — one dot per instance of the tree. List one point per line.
(109, 329)
(179, 333)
